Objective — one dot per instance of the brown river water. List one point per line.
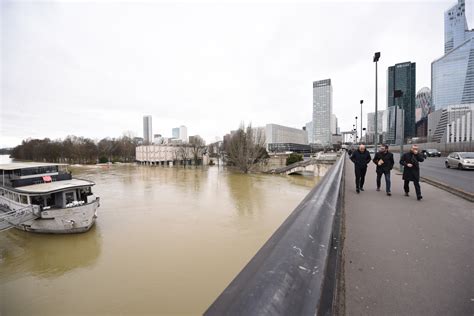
(167, 241)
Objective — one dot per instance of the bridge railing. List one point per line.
(294, 273)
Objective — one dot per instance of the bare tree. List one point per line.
(197, 148)
(184, 153)
(246, 148)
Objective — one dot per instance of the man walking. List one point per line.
(384, 161)
(411, 171)
(360, 158)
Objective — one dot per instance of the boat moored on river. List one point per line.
(44, 198)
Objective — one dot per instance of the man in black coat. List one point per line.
(360, 158)
(384, 161)
(411, 171)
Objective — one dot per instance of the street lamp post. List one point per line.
(361, 101)
(376, 59)
(357, 136)
(398, 94)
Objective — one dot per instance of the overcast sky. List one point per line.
(95, 68)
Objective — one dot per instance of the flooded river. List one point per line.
(167, 241)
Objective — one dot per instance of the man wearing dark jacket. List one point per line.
(411, 171)
(360, 158)
(384, 161)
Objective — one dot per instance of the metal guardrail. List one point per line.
(294, 273)
(11, 218)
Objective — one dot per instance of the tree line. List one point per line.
(76, 150)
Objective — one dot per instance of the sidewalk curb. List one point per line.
(458, 192)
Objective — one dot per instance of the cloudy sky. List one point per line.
(95, 68)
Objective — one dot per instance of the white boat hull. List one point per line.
(77, 219)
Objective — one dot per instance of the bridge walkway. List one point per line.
(407, 257)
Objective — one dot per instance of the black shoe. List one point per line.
(362, 189)
(419, 197)
(378, 189)
(389, 194)
(358, 191)
(406, 194)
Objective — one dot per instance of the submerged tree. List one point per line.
(245, 148)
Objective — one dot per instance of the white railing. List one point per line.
(16, 217)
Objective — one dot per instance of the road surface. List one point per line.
(433, 168)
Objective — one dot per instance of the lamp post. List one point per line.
(353, 132)
(398, 94)
(361, 101)
(376, 59)
(357, 136)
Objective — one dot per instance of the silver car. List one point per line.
(461, 160)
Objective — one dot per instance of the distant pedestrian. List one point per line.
(411, 171)
(360, 158)
(384, 161)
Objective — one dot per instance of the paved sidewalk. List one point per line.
(407, 257)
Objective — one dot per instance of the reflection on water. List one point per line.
(167, 240)
(46, 256)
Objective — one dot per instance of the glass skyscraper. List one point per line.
(403, 77)
(147, 130)
(452, 75)
(322, 110)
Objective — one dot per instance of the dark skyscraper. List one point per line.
(403, 77)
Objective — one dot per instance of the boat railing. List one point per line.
(16, 217)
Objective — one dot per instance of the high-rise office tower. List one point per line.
(403, 77)
(452, 75)
(147, 130)
(183, 133)
(455, 26)
(322, 110)
(175, 132)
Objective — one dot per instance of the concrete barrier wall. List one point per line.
(294, 272)
(444, 148)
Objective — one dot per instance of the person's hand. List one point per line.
(380, 162)
(409, 165)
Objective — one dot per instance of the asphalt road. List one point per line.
(433, 167)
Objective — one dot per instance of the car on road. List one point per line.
(431, 153)
(461, 160)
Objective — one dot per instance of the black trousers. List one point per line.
(360, 176)
(416, 183)
(387, 180)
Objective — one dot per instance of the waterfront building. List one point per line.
(402, 77)
(322, 111)
(147, 130)
(168, 154)
(452, 75)
(279, 138)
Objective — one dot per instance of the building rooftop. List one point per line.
(24, 165)
(54, 186)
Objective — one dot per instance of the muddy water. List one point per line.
(167, 241)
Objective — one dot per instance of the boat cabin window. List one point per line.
(70, 197)
(83, 193)
(23, 199)
(44, 200)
